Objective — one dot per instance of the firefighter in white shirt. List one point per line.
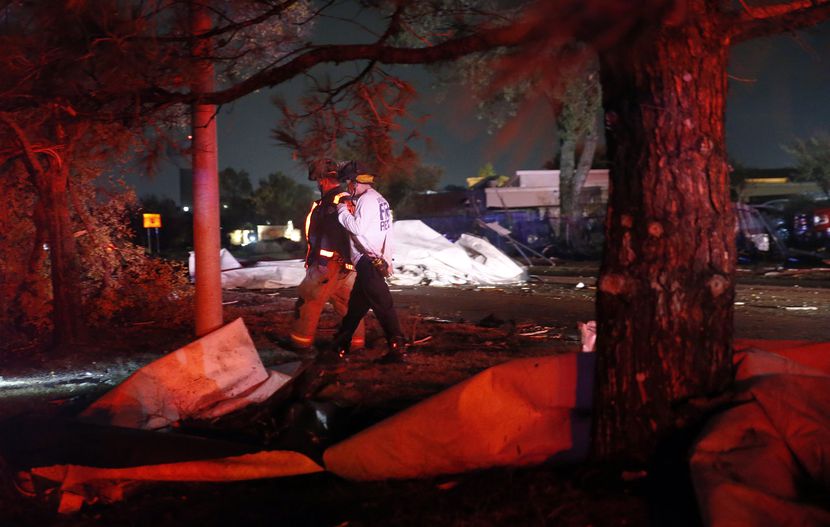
(370, 227)
(329, 273)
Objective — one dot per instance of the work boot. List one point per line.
(343, 351)
(336, 353)
(396, 353)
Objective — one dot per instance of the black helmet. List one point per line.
(322, 168)
(356, 171)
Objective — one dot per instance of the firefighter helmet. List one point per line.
(356, 171)
(321, 168)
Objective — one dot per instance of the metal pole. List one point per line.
(206, 244)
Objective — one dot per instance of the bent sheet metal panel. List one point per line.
(518, 413)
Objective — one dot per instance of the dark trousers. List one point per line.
(369, 291)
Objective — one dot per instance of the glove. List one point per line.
(383, 268)
(348, 204)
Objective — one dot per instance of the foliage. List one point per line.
(812, 157)
(236, 196)
(176, 234)
(403, 193)
(119, 282)
(25, 293)
(234, 185)
(279, 198)
(487, 171)
(143, 289)
(365, 122)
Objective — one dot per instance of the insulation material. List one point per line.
(421, 256)
(265, 275)
(424, 256)
(815, 355)
(752, 461)
(82, 484)
(226, 262)
(518, 413)
(490, 265)
(212, 376)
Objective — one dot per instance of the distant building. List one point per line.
(539, 189)
(186, 187)
(759, 185)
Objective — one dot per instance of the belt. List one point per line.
(337, 258)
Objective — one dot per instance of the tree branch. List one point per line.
(507, 35)
(767, 20)
(29, 159)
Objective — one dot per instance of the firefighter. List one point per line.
(370, 227)
(329, 274)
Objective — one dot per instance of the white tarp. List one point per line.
(421, 256)
(424, 256)
(265, 275)
(212, 376)
(226, 262)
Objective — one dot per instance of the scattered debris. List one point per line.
(491, 321)
(534, 333)
(633, 475)
(588, 335)
(438, 320)
(219, 373)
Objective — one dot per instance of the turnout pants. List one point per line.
(331, 283)
(369, 292)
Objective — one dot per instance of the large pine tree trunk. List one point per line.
(666, 287)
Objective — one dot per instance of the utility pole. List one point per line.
(206, 240)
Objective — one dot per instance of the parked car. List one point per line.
(797, 225)
(811, 227)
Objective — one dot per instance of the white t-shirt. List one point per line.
(370, 226)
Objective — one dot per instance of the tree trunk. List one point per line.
(206, 236)
(52, 188)
(52, 215)
(586, 159)
(35, 262)
(567, 161)
(666, 286)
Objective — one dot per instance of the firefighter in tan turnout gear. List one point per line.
(329, 273)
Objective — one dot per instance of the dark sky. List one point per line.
(778, 90)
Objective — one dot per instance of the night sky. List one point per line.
(778, 91)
